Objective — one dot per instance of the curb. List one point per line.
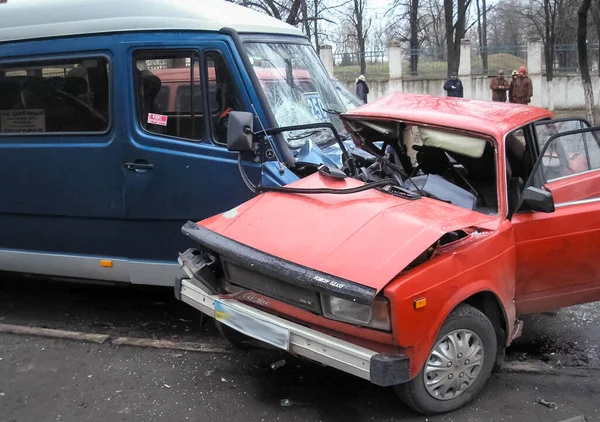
(118, 341)
(546, 369)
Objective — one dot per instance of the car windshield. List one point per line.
(297, 88)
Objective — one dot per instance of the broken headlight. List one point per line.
(377, 315)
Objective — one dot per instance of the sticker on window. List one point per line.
(23, 121)
(313, 99)
(157, 119)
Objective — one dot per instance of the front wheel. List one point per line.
(458, 366)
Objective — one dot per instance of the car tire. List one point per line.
(466, 333)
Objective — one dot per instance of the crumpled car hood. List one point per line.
(367, 237)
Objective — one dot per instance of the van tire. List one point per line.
(464, 319)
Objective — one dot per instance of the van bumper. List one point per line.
(381, 369)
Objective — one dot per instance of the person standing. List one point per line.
(511, 88)
(523, 87)
(454, 86)
(499, 86)
(362, 89)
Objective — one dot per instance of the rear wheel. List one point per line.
(458, 366)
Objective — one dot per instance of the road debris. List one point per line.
(279, 364)
(286, 403)
(167, 386)
(209, 372)
(547, 403)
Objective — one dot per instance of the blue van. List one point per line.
(113, 122)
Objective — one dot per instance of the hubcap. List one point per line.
(453, 365)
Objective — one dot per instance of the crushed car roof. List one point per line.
(486, 117)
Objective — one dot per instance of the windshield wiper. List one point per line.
(331, 111)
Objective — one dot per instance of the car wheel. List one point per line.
(458, 366)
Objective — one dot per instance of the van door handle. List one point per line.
(139, 165)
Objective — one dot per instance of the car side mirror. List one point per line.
(240, 131)
(536, 199)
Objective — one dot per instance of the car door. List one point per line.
(177, 166)
(557, 252)
(61, 184)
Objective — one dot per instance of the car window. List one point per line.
(571, 154)
(545, 130)
(223, 94)
(169, 94)
(57, 96)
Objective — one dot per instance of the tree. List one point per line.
(288, 11)
(456, 28)
(482, 32)
(582, 29)
(356, 17)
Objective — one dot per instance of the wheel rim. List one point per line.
(453, 365)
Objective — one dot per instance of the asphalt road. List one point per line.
(54, 380)
(45, 379)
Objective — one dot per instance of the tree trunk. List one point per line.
(484, 42)
(448, 17)
(414, 37)
(305, 22)
(583, 59)
(360, 36)
(316, 26)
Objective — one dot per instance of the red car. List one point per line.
(472, 214)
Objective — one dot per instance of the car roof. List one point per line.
(34, 19)
(485, 117)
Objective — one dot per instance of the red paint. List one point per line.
(538, 261)
(485, 117)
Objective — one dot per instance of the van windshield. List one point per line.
(297, 88)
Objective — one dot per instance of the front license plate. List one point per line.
(252, 326)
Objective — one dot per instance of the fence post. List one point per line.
(326, 54)
(534, 69)
(464, 68)
(395, 63)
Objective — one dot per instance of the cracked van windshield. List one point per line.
(297, 88)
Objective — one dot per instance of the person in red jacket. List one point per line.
(523, 87)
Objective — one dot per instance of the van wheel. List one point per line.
(235, 338)
(458, 365)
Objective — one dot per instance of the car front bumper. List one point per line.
(381, 369)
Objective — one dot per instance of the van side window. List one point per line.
(57, 96)
(169, 94)
(223, 94)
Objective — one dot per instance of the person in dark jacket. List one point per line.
(362, 89)
(523, 87)
(454, 86)
(499, 86)
(511, 89)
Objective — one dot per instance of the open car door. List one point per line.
(557, 230)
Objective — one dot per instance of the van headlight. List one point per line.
(375, 316)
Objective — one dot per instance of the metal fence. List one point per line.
(347, 64)
(489, 60)
(566, 59)
(425, 63)
(432, 63)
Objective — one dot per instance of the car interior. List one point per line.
(453, 167)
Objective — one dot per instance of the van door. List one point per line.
(177, 164)
(557, 253)
(61, 184)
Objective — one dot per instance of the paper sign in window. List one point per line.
(23, 121)
(157, 119)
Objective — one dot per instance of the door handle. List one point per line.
(139, 165)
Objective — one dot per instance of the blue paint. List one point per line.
(71, 194)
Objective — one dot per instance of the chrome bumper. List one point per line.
(380, 369)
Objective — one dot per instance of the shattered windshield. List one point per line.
(298, 89)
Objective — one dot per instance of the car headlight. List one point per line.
(375, 316)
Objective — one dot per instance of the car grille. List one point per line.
(272, 287)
